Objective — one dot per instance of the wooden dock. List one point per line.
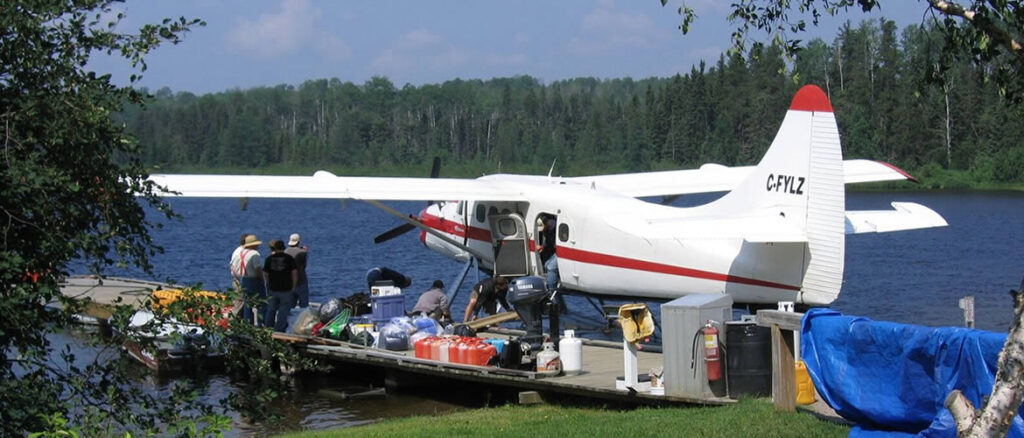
(601, 366)
(104, 293)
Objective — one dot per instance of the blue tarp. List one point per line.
(892, 379)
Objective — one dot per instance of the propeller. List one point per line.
(435, 171)
(395, 232)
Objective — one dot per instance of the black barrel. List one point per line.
(749, 359)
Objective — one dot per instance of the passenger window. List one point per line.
(507, 227)
(481, 212)
(563, 232)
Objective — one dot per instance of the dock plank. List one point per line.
(106, 292)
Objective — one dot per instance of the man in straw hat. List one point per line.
(247, 270)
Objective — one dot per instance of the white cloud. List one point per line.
(515, 59)
(418, 48)
(275, 33)
(388, 61)
(606, 19)
(449, 60)
(332, 47)
(417, 39)
(605, 29)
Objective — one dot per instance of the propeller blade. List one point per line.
(435, 169)
(393, 233)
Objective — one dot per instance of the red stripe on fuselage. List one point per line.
(455, 228)
(640, 265)
(484, 235)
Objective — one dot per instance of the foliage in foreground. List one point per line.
(747, 418)
(73, 189)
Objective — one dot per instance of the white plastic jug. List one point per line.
(548, 361)
(571, 349)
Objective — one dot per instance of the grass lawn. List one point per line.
(749, 418)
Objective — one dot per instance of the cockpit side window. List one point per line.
(481, 212)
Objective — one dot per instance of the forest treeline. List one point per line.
(892, 102)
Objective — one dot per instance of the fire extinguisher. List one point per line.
(712, 357)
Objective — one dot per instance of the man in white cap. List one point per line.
(247, 270)
(299, 254)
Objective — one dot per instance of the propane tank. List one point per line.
(571, 349)
(548, 360)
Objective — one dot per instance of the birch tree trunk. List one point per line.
(997, 416)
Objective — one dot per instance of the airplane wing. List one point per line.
(905, 216)
(719, 178)
(326, 185)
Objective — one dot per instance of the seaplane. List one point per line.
(777, 234)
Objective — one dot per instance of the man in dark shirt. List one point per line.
(546, 227)
(486, 295)
(281, 275)
(299, 253)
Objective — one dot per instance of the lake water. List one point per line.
(910, 277)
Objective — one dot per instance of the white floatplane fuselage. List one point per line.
(777, 235)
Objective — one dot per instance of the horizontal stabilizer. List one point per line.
(905, 216)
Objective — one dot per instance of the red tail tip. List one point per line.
(811, 98)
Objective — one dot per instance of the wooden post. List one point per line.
(783, 363)
(783, 371)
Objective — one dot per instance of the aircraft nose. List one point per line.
(421, 216)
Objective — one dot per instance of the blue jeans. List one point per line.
(551, 272)
(302, 295)
(278, 307)
(253, 290)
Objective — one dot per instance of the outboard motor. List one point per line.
(529, 295)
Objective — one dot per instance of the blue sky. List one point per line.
(250, 43)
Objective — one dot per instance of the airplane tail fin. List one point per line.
(800, 180)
